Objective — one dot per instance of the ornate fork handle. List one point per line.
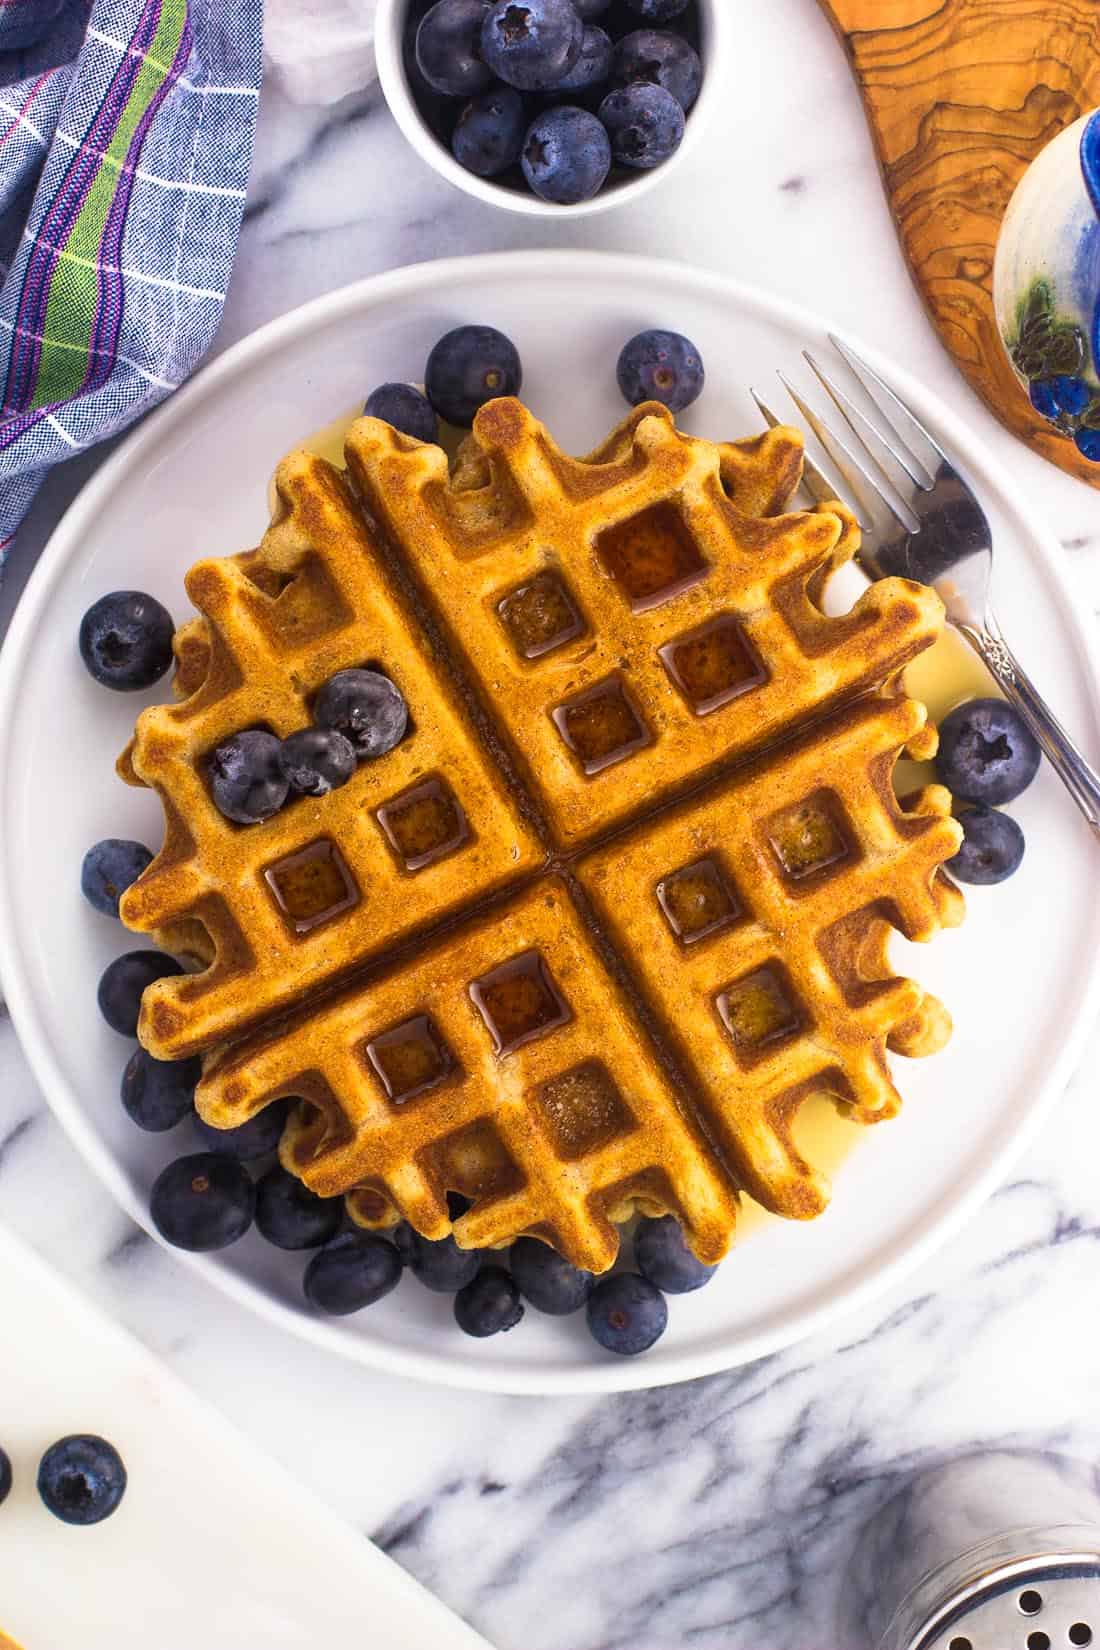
(1073, 769)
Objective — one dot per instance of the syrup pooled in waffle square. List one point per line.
(755, 918)
(276, 910)
(627, 621)
(504, 1063)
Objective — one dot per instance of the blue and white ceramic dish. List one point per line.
(1046, 283)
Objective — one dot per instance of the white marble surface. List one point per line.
(719, 1515)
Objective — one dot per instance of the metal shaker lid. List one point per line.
(1046, 1597)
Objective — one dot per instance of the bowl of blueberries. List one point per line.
(550, 106)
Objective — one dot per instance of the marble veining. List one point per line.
(728, 1512)
(720, 1515)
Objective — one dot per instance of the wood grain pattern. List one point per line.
(961, 95)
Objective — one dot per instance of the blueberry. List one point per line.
(645, 124)
(1071, 394)
(992, 846)
(1088, 443)
(366, 707)
(122, 983)
(158, 1094)
(987, 752)
(531, 44)
(468, 367)
(255, 1138)
(441, 1266)
(203, 1201)
(488, 135)
(566, 155)
(315, 761)
(1041, 391)
(289, 1215)
(108, 870)
(354, 1270)
(592, 66)
(402, 405)
(626, 1314)
(664, 1258)
(488, 1304)
(547, 1279)
(658, 11)
(5, 1475)
(448, 48)
(81, 1479)
(246, 780)
(126, 640)
(588, 9)
(660, 59)
(660, 366)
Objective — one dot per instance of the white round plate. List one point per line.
(1019, 977)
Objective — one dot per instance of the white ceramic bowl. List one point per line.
(714, 29)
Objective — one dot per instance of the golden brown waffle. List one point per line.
(760, 474)
(270, 926)
(754, 919)
(627, 624)
(517, 1018)
(273, 624)
(508, 1064)
(504, 1063)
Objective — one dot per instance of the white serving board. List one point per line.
(213, 1545)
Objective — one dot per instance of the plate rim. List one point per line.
(938, 1223)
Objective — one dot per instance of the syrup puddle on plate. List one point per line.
(947, 673)
(942, 677)
(825, 1139)
(328, 442)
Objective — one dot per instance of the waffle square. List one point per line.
(634, 620)
(278, 910)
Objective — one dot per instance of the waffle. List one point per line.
(759, 474)
(505, 1064)
(541, 1012)
(269, 925)
(755, 921)
(646, 1041)
(316, 596)
(630, 627)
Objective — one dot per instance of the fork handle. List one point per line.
(1076, 773)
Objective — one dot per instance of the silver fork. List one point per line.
(946, 541)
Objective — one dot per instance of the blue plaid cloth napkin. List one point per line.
(126, 132)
